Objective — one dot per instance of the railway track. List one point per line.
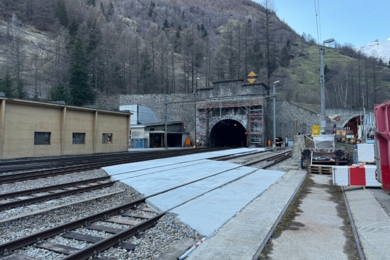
(134, 215)
(42, 170)
(14, 199)
(238, 155)
(26, 197)
(130, 211)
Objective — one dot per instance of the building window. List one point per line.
(78, 138)
(107, 138)
(41, 138)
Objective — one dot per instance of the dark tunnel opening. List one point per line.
(228, 133)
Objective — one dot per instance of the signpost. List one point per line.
(252, 77)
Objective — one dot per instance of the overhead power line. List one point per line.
(152, 10)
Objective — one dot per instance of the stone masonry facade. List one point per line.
(290, 118)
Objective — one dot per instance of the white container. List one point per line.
(340, 175)
(366, 153)
(370, 176)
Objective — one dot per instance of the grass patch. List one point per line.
(287, 221)
(337, 196)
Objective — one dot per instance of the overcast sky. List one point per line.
(357, 22)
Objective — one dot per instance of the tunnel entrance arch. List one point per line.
(229, 133)
(352, 123)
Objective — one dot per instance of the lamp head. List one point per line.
(328, 40)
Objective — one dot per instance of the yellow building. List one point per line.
(33, 129)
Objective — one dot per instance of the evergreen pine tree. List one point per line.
(110, 11)
(166, 24)
(152, 5)
(205, 33)
(60, 93)
(256, 57)
(102, 9)
(288, 45)
(19, 90)
(284, 59)
(94, 37)
(6, 85)
(61, 13)
(177, 41)
(73, 29)
(147, 76)
(80, 91)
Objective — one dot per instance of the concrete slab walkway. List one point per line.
(241, 236)
(318, 233)
(372, 223)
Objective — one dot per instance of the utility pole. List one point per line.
(364, 134)
(274, 141)
(165, 121)
(196, 87)
(322, 85)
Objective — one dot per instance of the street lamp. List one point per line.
(166, 123)
(322, 85)
(273, 143)
(195, 93)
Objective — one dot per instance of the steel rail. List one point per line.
(82, 167)
(7, 247)
(96, 248)
(16, 203)
(32, 160)
(52, 187)
(354, 229)
(114, 240)
(234, 156)
(272, 230)
(276, 158)
(45, 163)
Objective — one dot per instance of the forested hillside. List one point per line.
(73, 50)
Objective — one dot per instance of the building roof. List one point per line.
(56, 105)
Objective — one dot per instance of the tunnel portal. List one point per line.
(229, 133)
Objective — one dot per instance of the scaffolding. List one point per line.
(255, 125)
(253, 112)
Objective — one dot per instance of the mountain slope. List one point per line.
(137, 47)
(377, 49)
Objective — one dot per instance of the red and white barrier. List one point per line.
(191, 249)
(358, 176)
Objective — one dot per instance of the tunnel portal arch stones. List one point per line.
(346, 114)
